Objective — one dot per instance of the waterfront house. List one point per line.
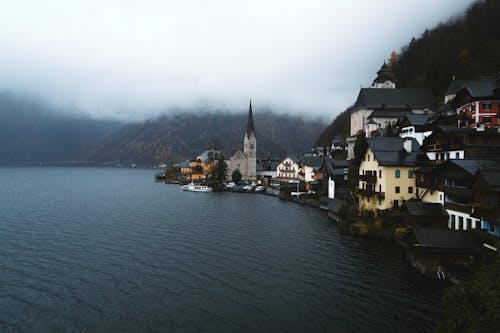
(386, 173)
(425, 215)
(288, 169)
(335, 175)
(438, 252)
(311, 170)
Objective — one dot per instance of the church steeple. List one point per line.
(250, 128)
(385, 78)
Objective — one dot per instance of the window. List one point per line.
(410, 173)
(457, 155)
(469, 223)
(460, 222)
(380, 174)
(410, 189)
(397, 174)
(397, 189)
(441, 197)
(486, 119)
(368, 157)
(486, 106)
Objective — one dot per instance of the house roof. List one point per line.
(480, 88)
(444, 238)
(419, 208)
(335, 205)
(313, 161)
(455, 86)
(417, 119)
(471, 166)
(390, 151)
(388, 98)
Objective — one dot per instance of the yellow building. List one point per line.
(386, 173)
(196, 170)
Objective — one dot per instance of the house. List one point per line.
(425, 215)
(266, 170)
(334, 208)
(246, 161)
(448, 142)
(417, 126)
(477, 102)
(455, 179)
(288, 169)
(335, 175)
(386, 177)
(438, 252)
(486, 199)
(380, 121)
(311, 168)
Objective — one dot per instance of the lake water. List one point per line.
(109, 250)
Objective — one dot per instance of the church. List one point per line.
(246, 160)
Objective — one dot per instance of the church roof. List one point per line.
(250, 128)
(384, 74)
(388, 98)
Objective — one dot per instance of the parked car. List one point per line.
(247, 187)
(230, 185)
(260, 188)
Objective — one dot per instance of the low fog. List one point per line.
(130, 60)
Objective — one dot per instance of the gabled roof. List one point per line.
(313, 161)
(443, 238)
(387, 98)
(417, 119)
(479, 88)
(336, 167)
(471, 166)
(390, 151)
(419, 208)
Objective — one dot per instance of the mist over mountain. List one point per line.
(32, 133)
(174, 138)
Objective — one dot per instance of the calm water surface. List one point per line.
(108, 250)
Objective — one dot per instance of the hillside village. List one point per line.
(424, 175)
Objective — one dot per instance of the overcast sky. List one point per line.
(131, 58)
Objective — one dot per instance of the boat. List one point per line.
(191, 187)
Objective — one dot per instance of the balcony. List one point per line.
(463, 192)
(370, 179)
(288, 170)
(370, 193)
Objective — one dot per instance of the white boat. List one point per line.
(196, 188)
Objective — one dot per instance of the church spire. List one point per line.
(250, 129)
